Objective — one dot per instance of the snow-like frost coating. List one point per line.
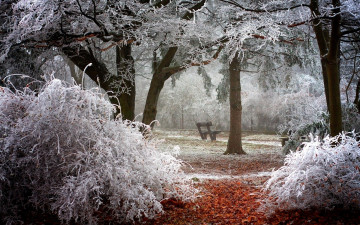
(322, 175)
(61, 150)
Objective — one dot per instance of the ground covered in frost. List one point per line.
(230, 185)
(205, 159)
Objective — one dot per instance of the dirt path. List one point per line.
(237, 202)
(231, 185)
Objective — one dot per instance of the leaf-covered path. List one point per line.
(237, 202)
(231, 185)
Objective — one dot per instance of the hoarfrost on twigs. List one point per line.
(322, 175)
(62, 150)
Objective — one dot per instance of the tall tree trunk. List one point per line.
(329, 48)
(234, 143)
(152, 99)
(322, 37)
(125, 68)
(156, 85)
(332, 68)
(159, 77)
(326, 82)
(357, 94)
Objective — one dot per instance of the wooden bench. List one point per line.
(283, 140)
(203, 134)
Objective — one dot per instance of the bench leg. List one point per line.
(203, 136)
(283, 141)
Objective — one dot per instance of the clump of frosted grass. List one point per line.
(62, 151)
(322, 175)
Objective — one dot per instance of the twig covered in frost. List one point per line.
(322, 175)
(61, 150)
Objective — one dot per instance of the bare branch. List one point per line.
(234, 3)
(172, 70)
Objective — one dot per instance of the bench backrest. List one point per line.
(211, 133)
(203, 124)
(204, 133)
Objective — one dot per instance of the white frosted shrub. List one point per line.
(62, 151)
(322, 175)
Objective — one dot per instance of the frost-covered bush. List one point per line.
(62, 152)
(321, 126)
(351, 117)
(318, 128)
(323, 175)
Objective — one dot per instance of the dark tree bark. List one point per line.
(322, 37)
(234, 143)
(156, 85)
(99, 73)
(329, 53)
(125, 64)
(333, 68)
(357, 98)
(160, 76)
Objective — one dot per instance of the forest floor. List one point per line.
(230, 185)
(204, 159)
